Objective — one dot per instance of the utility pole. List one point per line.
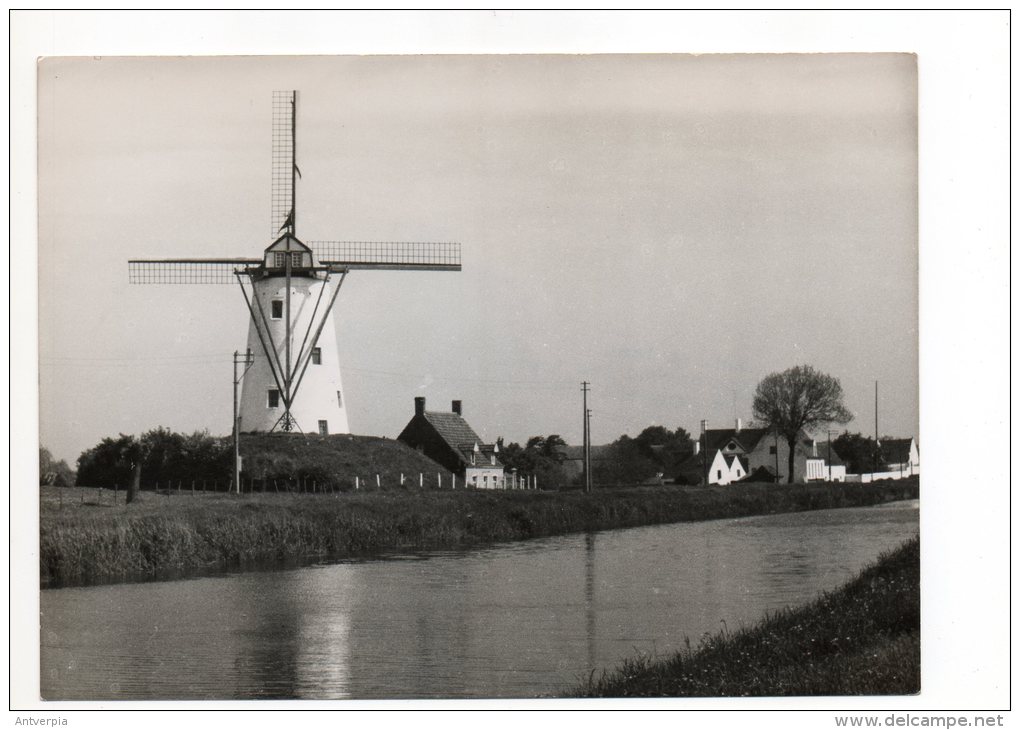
(878, 446)
(585, 467)
(828, 436)
(247, 359)
(587, 452)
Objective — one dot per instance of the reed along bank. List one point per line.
(861, 639)
(91, 536)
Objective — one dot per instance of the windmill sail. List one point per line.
(187, 271)
(284, 165)
(435, 256)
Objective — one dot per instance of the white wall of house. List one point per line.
(722, 473)
(815, 470)
(481, 477)
(836, 473)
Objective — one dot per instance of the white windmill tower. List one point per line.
(293, 377)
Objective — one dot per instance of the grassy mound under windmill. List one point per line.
(277, 462)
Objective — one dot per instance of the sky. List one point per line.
(670, 228)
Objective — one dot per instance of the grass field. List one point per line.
(862, 639)
(90, 535)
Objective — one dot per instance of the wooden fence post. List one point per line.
(421, 480)
(378, 484)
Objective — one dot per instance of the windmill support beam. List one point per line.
(270, 353)
(318, 330)
(311, 322)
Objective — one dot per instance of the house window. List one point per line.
(732, 446)
(718, 474)
(316, 356)
(323, 428)
(273, 398)
(339, 400)
(276, 309)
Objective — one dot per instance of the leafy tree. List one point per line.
(624, 463)
(540, 457)
(52, 472)
(666, 448)
(798, 399)
(860, 453)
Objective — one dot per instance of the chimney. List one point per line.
(737, 426)
(697, 448)
(457, 408)
(704, 426)
(419, 405)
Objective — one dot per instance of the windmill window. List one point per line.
(273, 398)
(316, 356)
(277, 309)
(339, 399)
(732, 446)
(772, 450)
(279, 259)
(295, 259)
(324, 428)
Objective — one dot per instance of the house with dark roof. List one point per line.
(447, 439)
(727, 455)
(901, 456)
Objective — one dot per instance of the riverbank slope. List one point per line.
(861, 639)
(87, 537)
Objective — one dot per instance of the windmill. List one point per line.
(292, 381)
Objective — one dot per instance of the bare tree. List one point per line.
(797, 399)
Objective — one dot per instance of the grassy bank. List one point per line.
(89, 540)
(862, 639)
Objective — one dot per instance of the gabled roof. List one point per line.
(896, 451)
(453, 429)
(746, 438)
(280, 244)
(484, 455)
(744, 463)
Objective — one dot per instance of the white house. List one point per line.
(726, 469)
(901, 456)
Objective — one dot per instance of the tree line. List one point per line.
(164, 455)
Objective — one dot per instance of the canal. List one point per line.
(514, 620)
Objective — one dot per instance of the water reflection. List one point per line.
(589, 596)
(516, 620)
